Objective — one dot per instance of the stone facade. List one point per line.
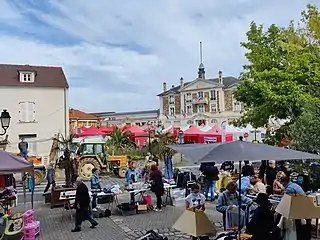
(207, 105)
(177, 104)
(194, 108)
(214, 94)
(228, 101)
(166, 104)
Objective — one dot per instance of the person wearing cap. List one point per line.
(82, 206)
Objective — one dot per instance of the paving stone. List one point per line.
(56, 225)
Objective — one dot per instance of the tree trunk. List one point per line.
(68, 172)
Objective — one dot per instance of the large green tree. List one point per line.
(283, 70)
(305, 131)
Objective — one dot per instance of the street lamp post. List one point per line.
(255, 131)
(5, 121)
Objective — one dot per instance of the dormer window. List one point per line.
(27, 77)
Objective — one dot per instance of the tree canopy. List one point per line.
(282, 75)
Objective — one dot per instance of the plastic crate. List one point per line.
(31, 230)
(28, 217)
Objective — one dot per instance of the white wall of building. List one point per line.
(45, 114)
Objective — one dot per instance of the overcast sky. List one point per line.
(117, 54)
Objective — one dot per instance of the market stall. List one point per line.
(14, 164)
(239, 151)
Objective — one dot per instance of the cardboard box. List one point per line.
(143, 207)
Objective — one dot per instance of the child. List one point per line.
(195, 198)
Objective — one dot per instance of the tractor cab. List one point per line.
(90, 154)
(94, 148)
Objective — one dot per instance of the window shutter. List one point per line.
(32, 111)
(22, 112)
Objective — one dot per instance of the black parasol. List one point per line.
(239, 151)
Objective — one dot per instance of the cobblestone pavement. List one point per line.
(57, 223)
(137, 225)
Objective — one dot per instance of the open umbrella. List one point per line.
(239, 151)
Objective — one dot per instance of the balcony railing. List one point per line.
(200, 101)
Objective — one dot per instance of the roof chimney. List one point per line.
(164, 86)
(220, 77)
(181, 82)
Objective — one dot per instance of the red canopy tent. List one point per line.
(90, 131)
(192, 134)
(216, 132)
(107, 130)
(126, 128)
(138, 134)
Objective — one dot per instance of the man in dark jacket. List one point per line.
(247, 169)
(81, 204)
(23, 148)
(211, 173)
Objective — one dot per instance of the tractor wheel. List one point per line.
(85, 167)
(122, 172)
(38, 176)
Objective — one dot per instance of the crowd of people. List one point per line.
(270, 181)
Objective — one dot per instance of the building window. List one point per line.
(200, 95)
(189, 110)
(171, 99)
(27, 77)
(200, 108)
(171, 111)
(27, 112)
(214, 121)
(237, 106)
(188, 97)
(213, 107)
(213, 95)
(32, 143)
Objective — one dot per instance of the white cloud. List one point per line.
(116, 55)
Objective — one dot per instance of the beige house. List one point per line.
(37, 99)
(203, 100)
(79, 118)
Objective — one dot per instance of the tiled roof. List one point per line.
(45, 76)
(75, 114)
(111, 114)
(227, 82)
